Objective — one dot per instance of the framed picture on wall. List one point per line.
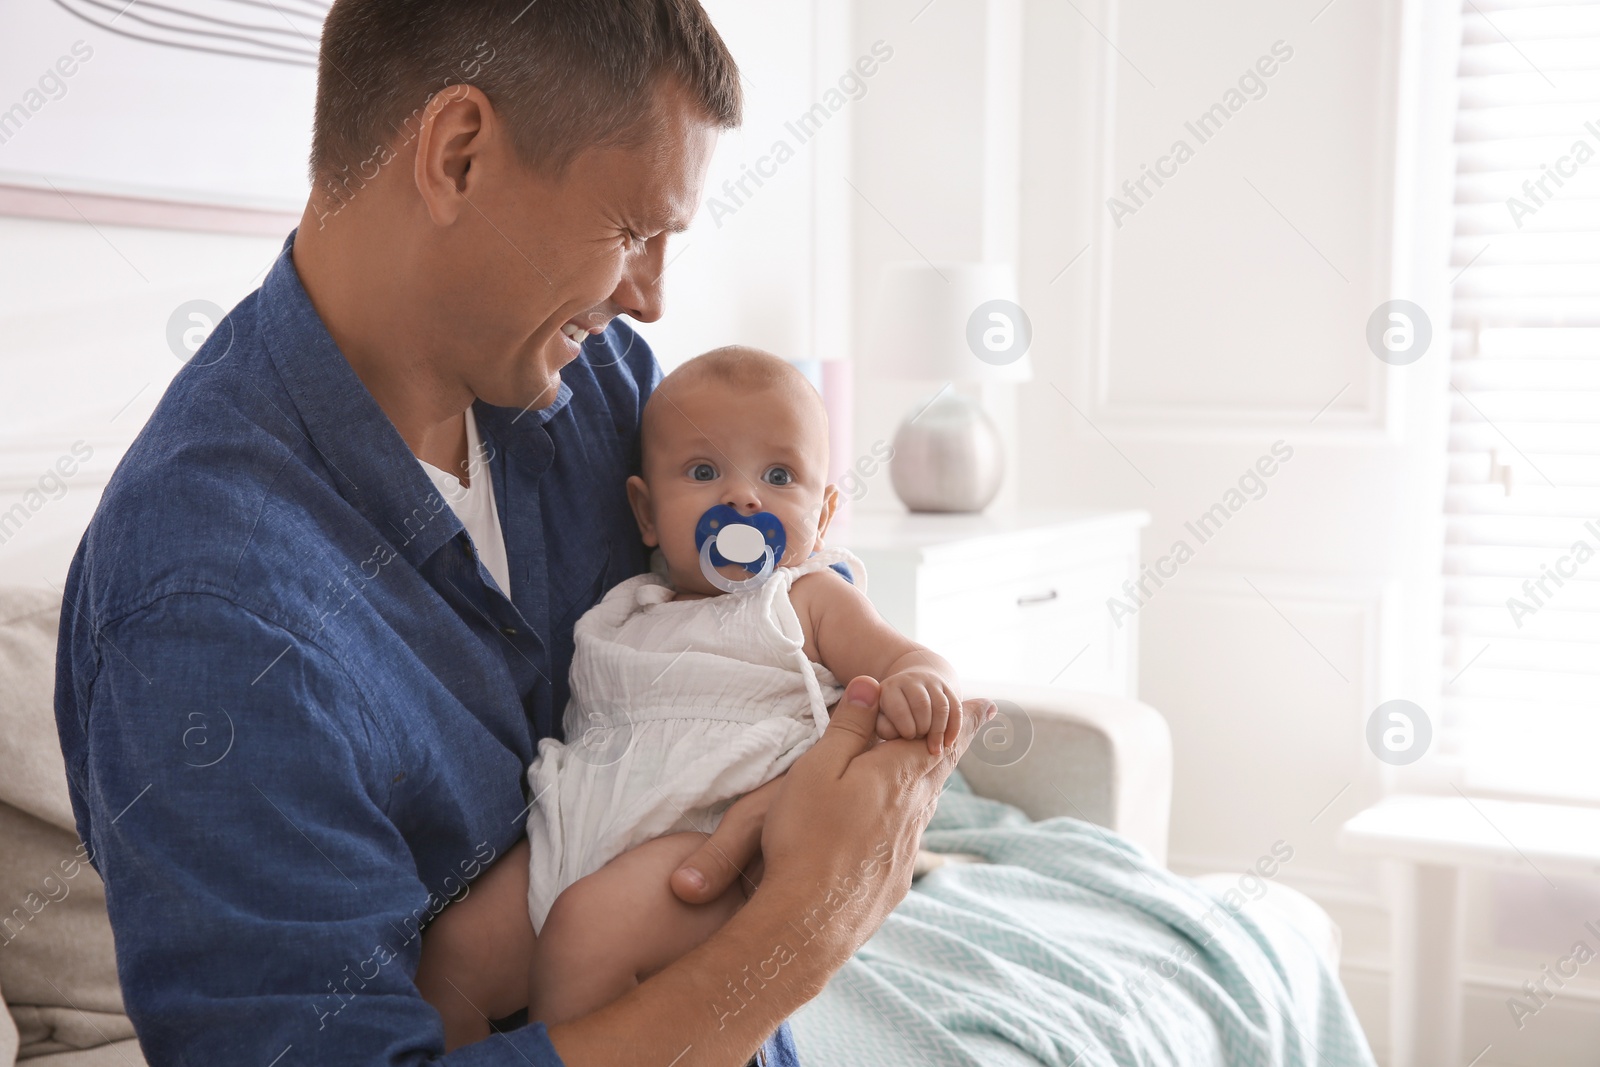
(192, 113)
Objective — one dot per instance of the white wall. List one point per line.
(1225, 314)
(84, 358)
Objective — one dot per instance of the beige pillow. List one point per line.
(57, 965)
(8, 1034)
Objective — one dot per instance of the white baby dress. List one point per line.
(679, 707)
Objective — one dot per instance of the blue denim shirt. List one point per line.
(294, 708)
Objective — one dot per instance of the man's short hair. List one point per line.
(565, 75)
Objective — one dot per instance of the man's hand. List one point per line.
(843, 831)
(732, 851)
(838, 835)
(734, 848)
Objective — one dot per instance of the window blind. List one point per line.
(1521, 671)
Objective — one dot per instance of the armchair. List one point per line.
(1102, 759)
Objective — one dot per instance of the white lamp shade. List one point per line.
(930, 324)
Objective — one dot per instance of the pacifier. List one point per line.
(754, 542)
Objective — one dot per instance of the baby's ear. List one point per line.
(643, 513)
(830, 505)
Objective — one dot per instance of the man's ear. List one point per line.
(458, 126)
(830, 505)
(643, 513)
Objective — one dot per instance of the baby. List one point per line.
(690, 687)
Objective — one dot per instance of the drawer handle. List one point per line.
(1036, 598)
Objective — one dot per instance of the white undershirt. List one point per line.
(474, 505)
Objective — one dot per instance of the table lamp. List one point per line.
(950, 324)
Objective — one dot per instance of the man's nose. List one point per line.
(639, 291)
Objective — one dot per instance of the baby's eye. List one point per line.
(779, 476)
(703, 472)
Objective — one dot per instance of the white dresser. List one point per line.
(1017, 597)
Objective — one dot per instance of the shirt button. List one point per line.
(509, 631)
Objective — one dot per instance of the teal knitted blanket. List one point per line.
(1070, 948)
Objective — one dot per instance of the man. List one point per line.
(298, 688)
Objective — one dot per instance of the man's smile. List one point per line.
(576, 334)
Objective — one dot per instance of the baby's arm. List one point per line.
(844, 632)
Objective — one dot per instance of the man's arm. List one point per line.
(263, 902)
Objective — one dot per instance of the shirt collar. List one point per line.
(369, 463)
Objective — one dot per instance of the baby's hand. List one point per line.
(919, 702)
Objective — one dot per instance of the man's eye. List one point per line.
(703, 472)
(779, 476)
